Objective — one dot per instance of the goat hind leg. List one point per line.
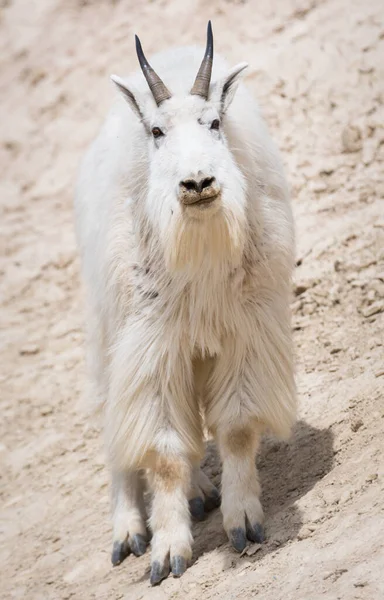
(203, 495)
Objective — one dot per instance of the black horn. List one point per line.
(203, 78)
(157, 87)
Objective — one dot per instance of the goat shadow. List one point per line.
(287, 472)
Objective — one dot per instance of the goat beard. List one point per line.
(216, 241)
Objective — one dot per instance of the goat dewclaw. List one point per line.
(188, 288)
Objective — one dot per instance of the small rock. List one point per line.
(351, 138)
(304, 533)
(355, 426)
(300, 288)
(29, 350)
(335, 575)
(371, 477)
(335, 350)
(371, 295)
(337, 265)
(309, 309)
(251, 550)
(327, 169)
(319, 186)
(379, 373)
(373, 309)
(378, 287)
(46, 410)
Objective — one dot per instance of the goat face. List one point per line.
(196, 192)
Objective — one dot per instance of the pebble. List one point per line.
(251, 550)
(319, 186)
(300, 288)
(309, 309)
(355, 426)
(371, 296)
(337, 265)
(29, 350)
(304, 533)
(378, 287)
(373, 309)
(335, 575)
(351, 139)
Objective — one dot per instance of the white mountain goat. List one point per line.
(186, 236)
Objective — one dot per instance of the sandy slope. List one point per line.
(317, 69)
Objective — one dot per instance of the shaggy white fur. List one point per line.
(189, 322)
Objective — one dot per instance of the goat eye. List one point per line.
(215, 124)
(156, 132)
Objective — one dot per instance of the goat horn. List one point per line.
(203, 77)
(157, 87)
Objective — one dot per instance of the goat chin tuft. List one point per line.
(192, 244)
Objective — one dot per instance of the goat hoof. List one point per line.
(196, 507)
(158, 572)
(213, 500)
(238, 538)
(120, 551)
(138, 544)
(178, 565)
(255, 533)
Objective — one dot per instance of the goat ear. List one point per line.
(224, 90)
(128, 95)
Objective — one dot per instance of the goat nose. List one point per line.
(197, 186)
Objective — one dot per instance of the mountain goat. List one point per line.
(186, 237)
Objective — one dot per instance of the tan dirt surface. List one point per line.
(317, 68)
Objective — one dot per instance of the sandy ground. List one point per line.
(318, 71)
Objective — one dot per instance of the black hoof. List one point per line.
(238, 539)
(158, 572)
(138, 544)
(120, 551)
(178, 565)
(255, 533)
(212, 501)
(196, 506)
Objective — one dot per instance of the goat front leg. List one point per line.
(170, 477)
(251, 389)
(129, 530)
(240, 489)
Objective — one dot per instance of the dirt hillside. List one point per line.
(317, 68)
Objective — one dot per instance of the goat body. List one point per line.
(187, 247)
